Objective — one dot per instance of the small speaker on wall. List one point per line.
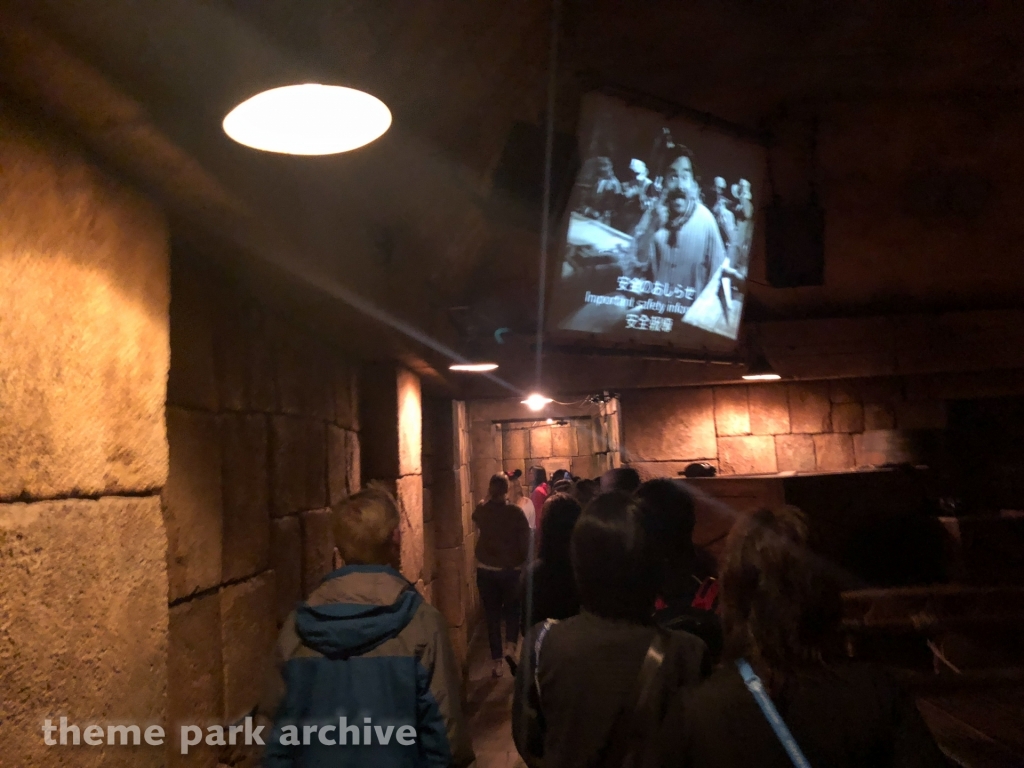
(795, 244)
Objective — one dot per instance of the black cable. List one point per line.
(549, 149)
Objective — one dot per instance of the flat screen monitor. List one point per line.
(656, 242)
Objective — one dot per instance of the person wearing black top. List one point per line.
(502, 548)
(780, 612)
(549, 589)
(587, 666)
(670, 520)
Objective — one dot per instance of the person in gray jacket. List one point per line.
(366, 671)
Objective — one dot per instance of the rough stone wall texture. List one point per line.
(448, 545)
(83, 595)
(768, 428)
(584, 445)
(436, 444)
(83, 364)
(262, 423)
(83, 335)
(391, 412)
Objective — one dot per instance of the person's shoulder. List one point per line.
(571, 624)
(687, 640)
(430, 620)
(721, 690)
(515, 511)
(690, 648)
(430, 614)
(703, 215)
(570, 628)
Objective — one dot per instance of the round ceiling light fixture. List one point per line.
(536, 402)
(761, 370)
(473, 367)
(308, 119)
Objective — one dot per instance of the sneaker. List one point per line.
(499, 668)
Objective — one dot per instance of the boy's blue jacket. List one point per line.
(366, 645)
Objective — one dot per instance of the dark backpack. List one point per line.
(698, 618)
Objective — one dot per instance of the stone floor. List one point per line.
(489, 705)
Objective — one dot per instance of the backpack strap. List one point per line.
(545, 628)
(756, 687)
(630, 729)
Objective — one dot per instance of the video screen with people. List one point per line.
(658, 230)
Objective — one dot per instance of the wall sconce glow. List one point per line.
(536, 402)
(473, 367)
(309, 119)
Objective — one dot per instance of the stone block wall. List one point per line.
(585, 443)
(432, 408)
(768, 428)
(449, 543)
(83, 452)
(262, 424)
(391, 411)
(579, 445)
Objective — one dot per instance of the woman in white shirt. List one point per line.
(519, 497)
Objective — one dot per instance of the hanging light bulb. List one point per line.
(308, 119)
(536, 402)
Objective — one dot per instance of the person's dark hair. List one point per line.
(674, 153)
(669, 514)
(498, 485)
(560, 474)
(615, 573)
(564, 485)
(538, 476)
(780, 609)
(586, 491)
(625, 479)
(559, 516)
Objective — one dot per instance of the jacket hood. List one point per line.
(341, 629)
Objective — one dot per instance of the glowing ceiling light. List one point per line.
(761, 370)
(473, 367)
(309, 119)
(536, 402)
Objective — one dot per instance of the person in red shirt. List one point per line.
(539, 491)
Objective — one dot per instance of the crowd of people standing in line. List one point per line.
(630, 656)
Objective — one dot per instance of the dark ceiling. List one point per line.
(411, 223)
